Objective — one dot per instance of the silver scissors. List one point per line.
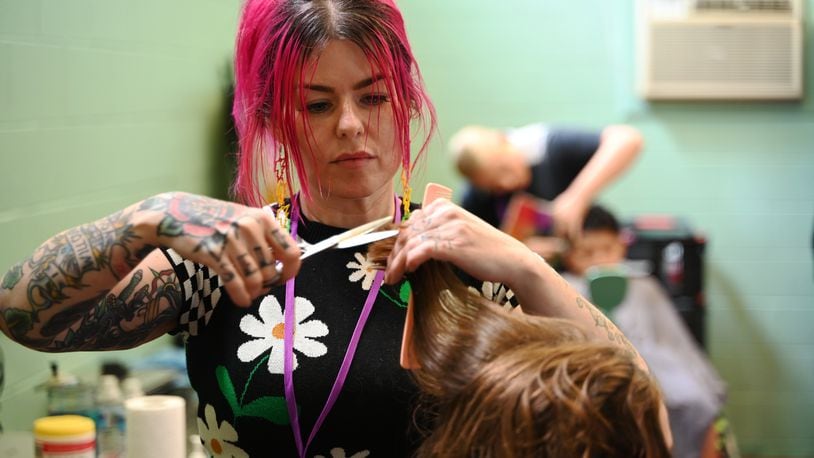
(359, 235)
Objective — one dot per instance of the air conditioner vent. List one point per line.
(779, 6)
(748, 53)
(720, 49)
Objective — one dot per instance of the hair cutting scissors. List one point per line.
(356, 236)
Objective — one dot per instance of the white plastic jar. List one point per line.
(65, 436)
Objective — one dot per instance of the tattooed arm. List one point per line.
(103, 285)
(65, 296)
(137, 309)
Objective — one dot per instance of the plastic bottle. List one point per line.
(110, 425)
(131, 388)
(65, 436)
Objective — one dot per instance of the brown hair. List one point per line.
(504, 384)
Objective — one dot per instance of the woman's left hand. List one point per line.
(446, 232)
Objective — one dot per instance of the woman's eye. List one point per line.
(375, 99)
(317, 107)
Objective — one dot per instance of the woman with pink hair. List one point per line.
(287, 359)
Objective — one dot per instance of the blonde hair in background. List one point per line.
(468, 145)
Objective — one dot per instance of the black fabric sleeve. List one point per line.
(499, 293)
(481, 204)
(567, 152)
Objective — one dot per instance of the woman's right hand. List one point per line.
(243, 245)
(446, 232)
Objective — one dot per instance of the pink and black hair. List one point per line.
(274, 40)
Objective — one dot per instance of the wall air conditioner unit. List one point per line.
(720, 49)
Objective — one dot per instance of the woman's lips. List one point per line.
(353, 160)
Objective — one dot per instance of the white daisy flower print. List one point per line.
(340, 453)
(497, 293)
(219, 438)
(269, 332)
(364, 271)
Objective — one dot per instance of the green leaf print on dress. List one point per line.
(404, 292)
(227, 388)
(272, 408)
(399, 299)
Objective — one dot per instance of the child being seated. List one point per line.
(693, 390)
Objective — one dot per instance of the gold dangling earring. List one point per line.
(406, 192)
(281, 191)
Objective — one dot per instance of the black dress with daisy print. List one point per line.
(235, 360)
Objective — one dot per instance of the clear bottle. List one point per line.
(68, 395)
(110, 426)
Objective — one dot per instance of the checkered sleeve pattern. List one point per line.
(202, 290)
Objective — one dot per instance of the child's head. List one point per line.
(599, 244)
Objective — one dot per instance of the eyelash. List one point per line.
(317, 107)
(377, 99)
(322, 106)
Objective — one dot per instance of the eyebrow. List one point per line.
(361, 84)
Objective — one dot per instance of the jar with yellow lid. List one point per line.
(65, 436)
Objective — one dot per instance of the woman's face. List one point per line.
(345, 126)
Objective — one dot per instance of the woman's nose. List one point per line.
(350, 124)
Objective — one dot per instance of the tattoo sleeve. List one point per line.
(208, 221)
(69, 295)
(125, 319)
(60, 302)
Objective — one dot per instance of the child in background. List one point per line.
(693, 390)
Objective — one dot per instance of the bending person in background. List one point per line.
(327, 91)
(564, 166)
(693, 389)
(506, 384)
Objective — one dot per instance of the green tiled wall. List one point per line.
(102, 103)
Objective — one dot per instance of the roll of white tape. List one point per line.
(156, 427)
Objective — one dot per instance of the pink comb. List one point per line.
(407, 359)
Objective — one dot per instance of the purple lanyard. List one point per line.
(288, 345)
